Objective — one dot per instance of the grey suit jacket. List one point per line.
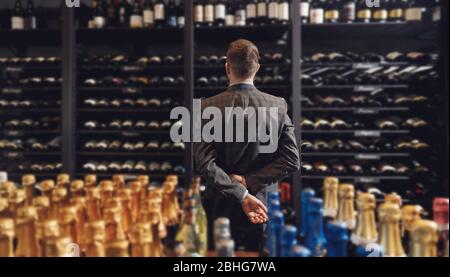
(216, 160)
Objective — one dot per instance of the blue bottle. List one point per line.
(305, 196)
(288, 239)
(273, 205)
(337, 239)
(315, 240)
(299, 251)
(276, 224)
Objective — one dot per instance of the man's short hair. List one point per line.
(243, 57)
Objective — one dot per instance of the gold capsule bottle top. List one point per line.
(330, 196)
(346, 211)
(410, 214)
(118, 181)
(77, 187)
(366, 229)
(28, 180)
(393, 198)
(90, 180)
(390, 215)
(62, 179)
(424, 239)
(6, 188)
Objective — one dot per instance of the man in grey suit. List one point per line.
(239, 174)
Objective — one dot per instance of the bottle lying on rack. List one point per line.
(131, 166)
(33, 82)
(126, 60)
(392, 57)
(155, 103)
(31, 144)
(348, 11)
(28, 104)
(30, 61)
(363, 168)
(38, 167)
(141, 81)
(128, 146)
(45, 123)
(370, 145)
(126, 125)
(136, 14)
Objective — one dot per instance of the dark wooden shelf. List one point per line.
(38, 37)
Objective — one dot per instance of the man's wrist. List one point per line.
(245, 195)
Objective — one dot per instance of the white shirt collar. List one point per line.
(242, 83)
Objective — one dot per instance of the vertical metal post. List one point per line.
(68, 91)
(443, 43)
(189, 81)
(296, 93)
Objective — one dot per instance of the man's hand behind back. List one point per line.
(255, 210)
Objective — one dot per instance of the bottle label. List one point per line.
(332, 14)
(364, 14)
(283, 11)
(262, 9)
(31, 22)
(436, 14)
(99, 22)
(380, 15)
(240, 18)
(229, 20)
(17, 23)
(220, 11)
(159, 12)
(198, 13)
(348, 12)
(413, 14)
(148, 17)
(136, 21)
(316, 16)
(273, 10)
(304, 9)
(209, 13)
(396, 13)
(181, 21)
(251, 11)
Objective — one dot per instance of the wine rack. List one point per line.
(402, 158)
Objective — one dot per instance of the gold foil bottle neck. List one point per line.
(77, 187)
(390, 215)
(424, 238)
(95, 238)
(170, 207)
(46, 187)
(28, 180)
(144, 179)
(6, 237)
(118, 181)
(62, 179)
(118, 248)
(90, 180)
(26, 232)
(6, 188)
(346, 211)
(393, 198)
(17, 196)
(366, 229)
(60, 195)
(330, 197)
(4, 208)
(172, 178)
(410, 214)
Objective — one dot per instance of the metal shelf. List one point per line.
(357, 110)
(130, 89)
(134, 154)
(123, 132)
(122, 110)
(355, 88)
(39, 37)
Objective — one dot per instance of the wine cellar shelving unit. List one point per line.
(295, 41)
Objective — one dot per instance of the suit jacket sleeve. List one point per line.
(286, 160)
(205, 160)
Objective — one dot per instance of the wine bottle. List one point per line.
(332, 11)
(435, 12)
(226, 248)
(7, 233)
(30, 19)
(111, 15)
(136, 20)
(365, 232)
(95, 238)
(304, 11)
(251, 12)
(273, 11)
(389, 215)
(410, 215)
(148, 15)
(317, 13)
(240, 18)
(180, 14)
(424, 239)
(230, 16)
(337, 239)
(219, 13)
(348, 11)
(364, 13)
(288, 239)
(276, 223)
(171, 14)
(380, 13)
(208, 13)
(123, 13)
(159, 11)
(198, 13)
(396, 9)
(283, 12)
(221, 230)
(415, 11)
(261, 12)
(440, 216)
(305, 197)
(330, 197)
(346, 211)
(315, 239)
(17, 16)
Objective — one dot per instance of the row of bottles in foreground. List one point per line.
(338, 225)
(114, 218)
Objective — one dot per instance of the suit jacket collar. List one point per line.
(242, 87)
